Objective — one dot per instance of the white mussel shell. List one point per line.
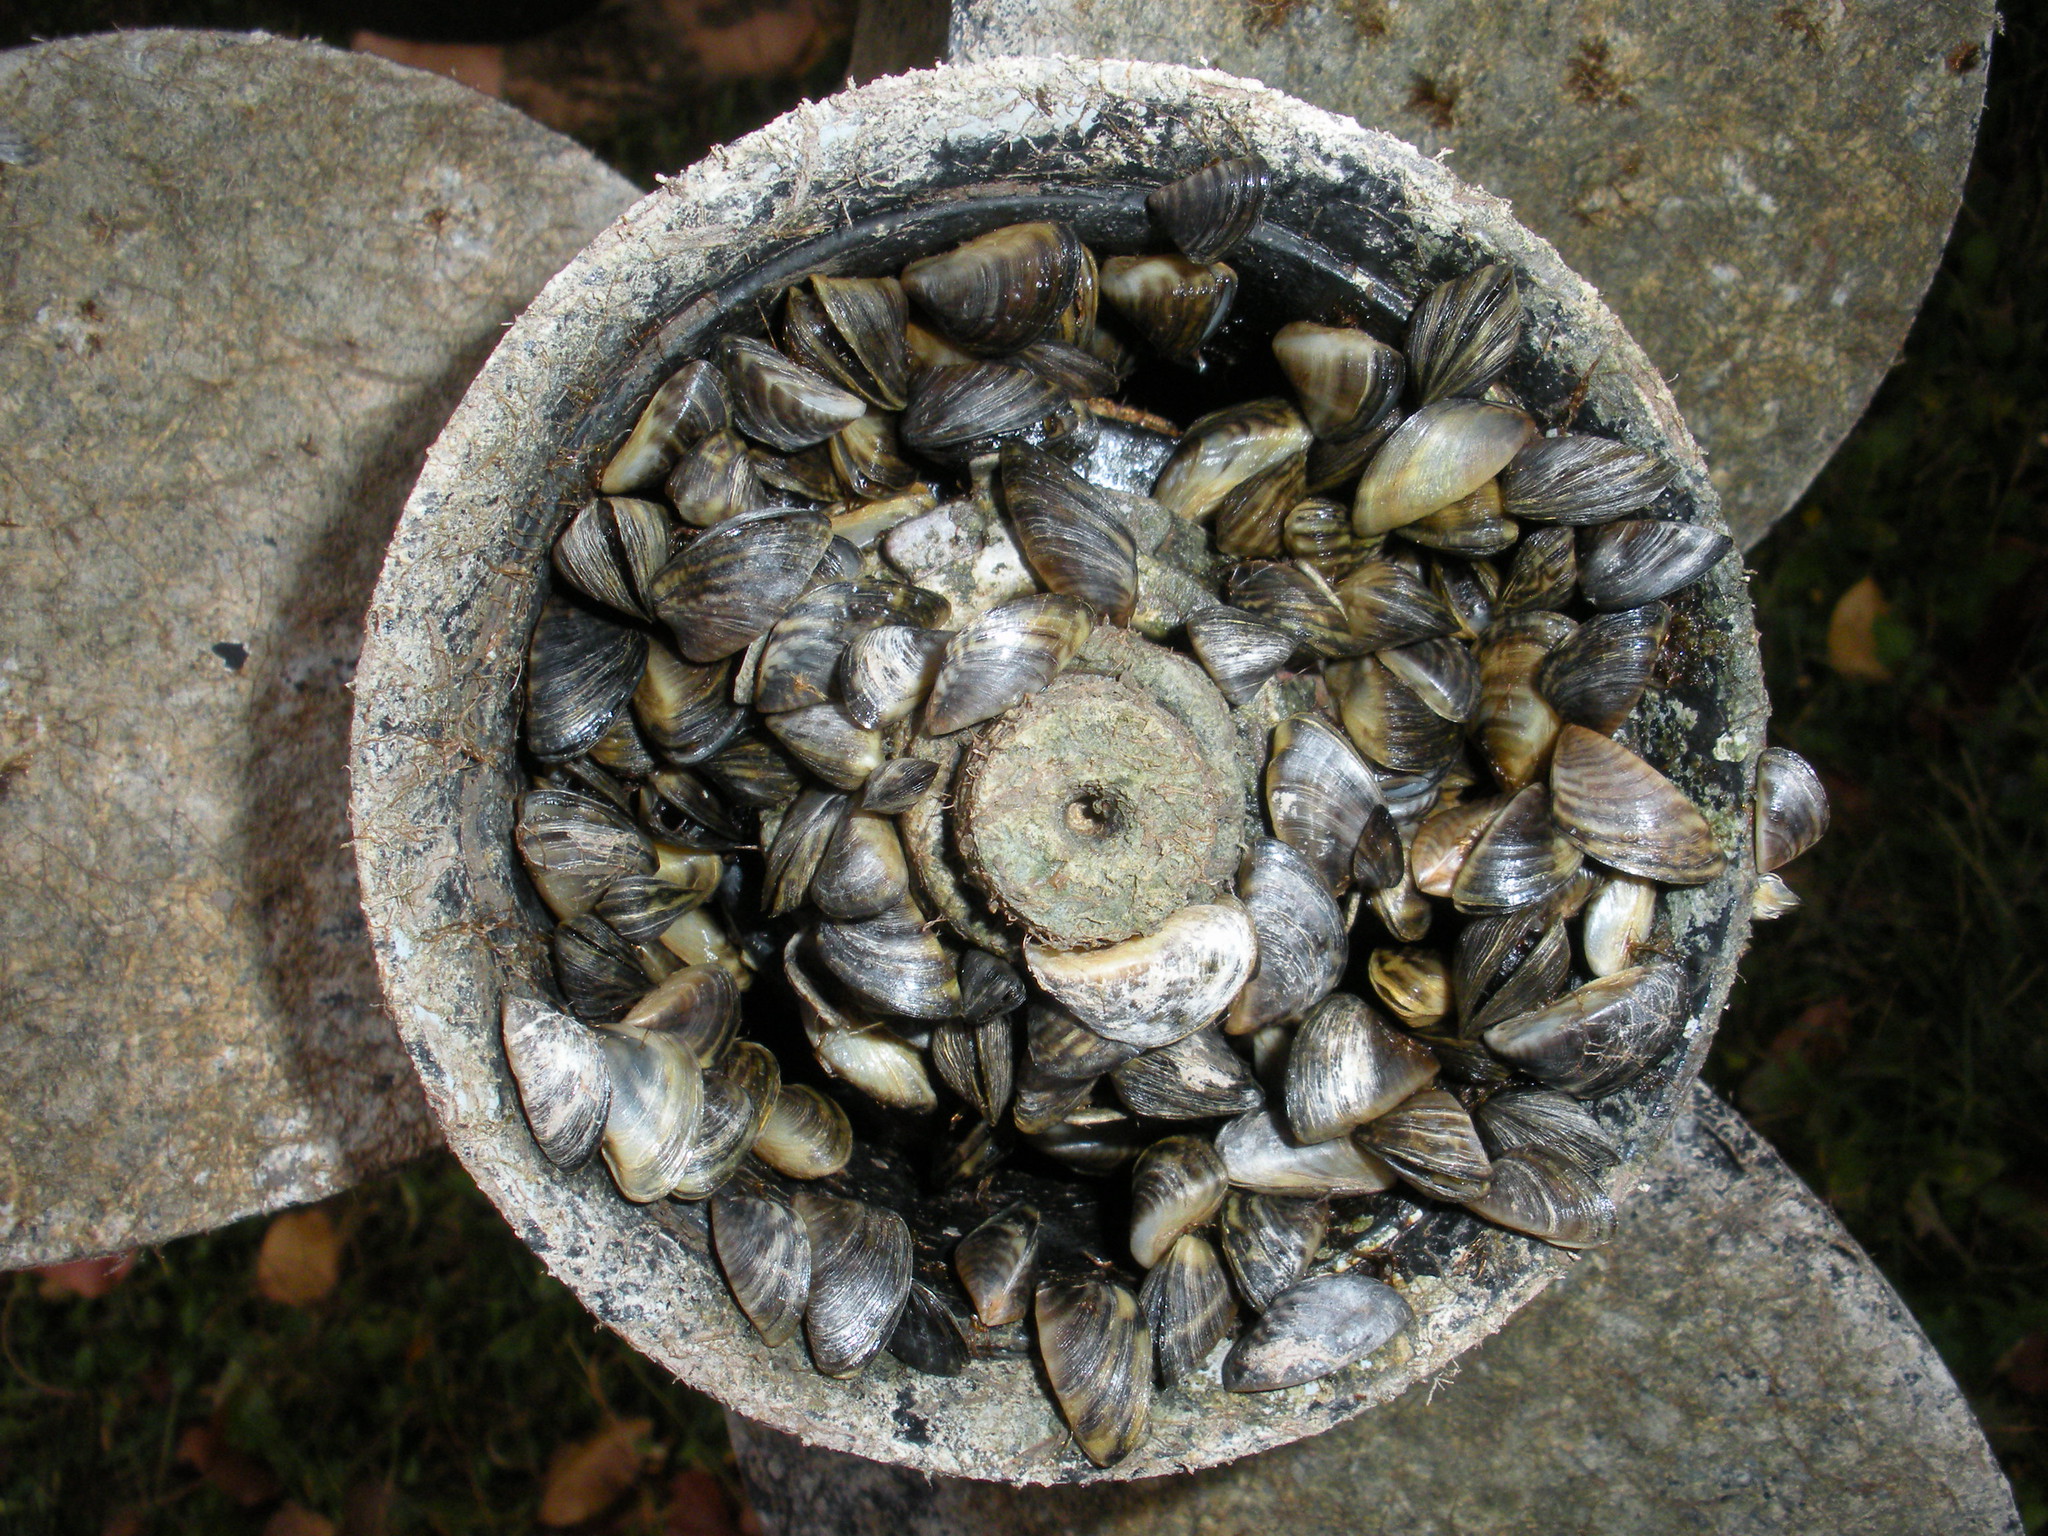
(1321, 1325)
(564, 1085)
(1152, 991)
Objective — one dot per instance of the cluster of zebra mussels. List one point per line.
(1031, 761)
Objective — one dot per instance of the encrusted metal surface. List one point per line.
(242, 281)
(861, 182)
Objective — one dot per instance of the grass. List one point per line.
(1891, 1038)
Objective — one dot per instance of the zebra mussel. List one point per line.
(921, 909)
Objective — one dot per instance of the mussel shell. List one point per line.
(1544, 1194)
(689, 403)
(1004, 656)
(1260, 1155)
(825, 739)
(564, 1086)
(808, 472)
(1379, 862)
(989, 987)
(611, 550)
(657, 1097)
(1466, 590)
(1156, 989)
(806, 1134)
(641, 908)
(1387, 606)
(1471, 526)
(1403, 910)
(1074, 542)
(1349, 1066)
(851, 328)
(1241, 651)
(798, 845)
(1224, 449)
(1507, 965)
(753, 773)
(684, 708)
(1414, 984)
(1516, 727)
(731, 582)
(1390, 723)
(1440, 455)
(1772, 898)
(1044, 1102)
(1197, 1078)
(965, 1157)
(596, 969)
(958, 414)
(1174, 303)
(1320, 1326)
(978, 1062)
(1638, 560)
(1319, 795)
(1002, 290)
(699, 1005)
(893, 963)
(927, 1336)
(1520, 858)
(1177, 1185)
(865, 524)
(779, 402)
(1081, 374)
(694, 800)
(862, 871)
(860, 1280)
(1544, 572)
(1791, 808)
(1595, 676)
(887, 671)
(1626, 814)
(898, 785)
(1600, 1037)
(766, 1258)
(1463, 334)
(1301, 934)
(574, 846)
(1299, 600)
(867, 456)
(580, 668)
(1576, 479)
(1617, 923)
(1440, 672)
(738, 1098)
(1097, 1354)
(1516, 1118)
(715, 480)
(1445, 840)
(1317, 532)
(1252, 513)
(1061, 1047)
(1268, 1241)
(1430, 1141)
(1347, 382)
(1187, 1307)
(1207, 212)
(621, 750)
(995, 1263)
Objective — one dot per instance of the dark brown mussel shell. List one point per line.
(1070, 537)
(1577, 479)
(1302, 938)
(1386, 605)
(860, 1279)
(957, 414)
(1097, 1354)
(829, 743)
(1317, 532)
(995, 1263)
(799, 843)
(893, 963)
(1348, 1066)
(1390, 723)
(1081, 374)
(1471, 526)
(928, 1336)
(780, 402)
(575, 845)
(1251, 517)
(1196, 1078)
(611, 550)
(1224, 449)
(1187, 1306)
(1543, 573)
(1004, 656)
(596, 969)
(978, 1062)
(1626, 814)
(1430, 1141)
(851, 330)
(1596, 675)
(715, 480)
(753, 773)
(684, 708)
(1463, 334)
(867, 456)
(1440, 672)
(1542, 1117)
(989, 987)
(580, 668)
(1269, 1240)
(1505, 965)
(1518, 860)
(1638, 560)
(1174, 303)
(1545, 1194)
(1002, 290)
(1298, 600)
(898, 785)
(765, 1253)
(731, 582)
(1207, 212)
(690, 403)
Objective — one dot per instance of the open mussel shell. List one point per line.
(1387, 606)
(1467, 590)
(1518, 860)
(806, 1134)
(1003, 657)
(1174, 303)
(898, 785)
(1070, 537)
(1207, 212)
(1544, 572)
(1301, 935)
(1153, 990)
(1177, 1185)
(799, 844)
(1430, 1141)
(893, 963)
(1241, 651)
(1187, 1307)
(1577, 479)
(1260, 1154)
(1197, 1078)
(999, 291)
(860, 1279)
(657, 1099)
(1268, 1241)
(863, 870)
(598, 972)
(730, 583)
(995, 1264)
(1440, 455)
(1223, 450)
(574, 846)
(1596, 674)
(1097, 1354)
(580, 668)
(1791, 808)
(765, 1254)
(1626, 814)
(1617, 924)
(1463, 334)
(1348, 1066)
(1321, 1325)
(690, 403)
(1507, 965)
(1547, 1194)
(564, 1086)
(1414, 984)
(1346, 381)
(961, 413)
(826, 740)
(1599, 1037)
(1516, 1118)
(1297, 599)
(1319, 795)
(780, 402)
(699, 1005)
(1390, 723)
(1516, 726)
(611, 550)
(978, 1062)
(1639, 560)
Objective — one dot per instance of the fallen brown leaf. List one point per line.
(300, 1259)
(2025, 1365)
(241, 1477)
(584, 1478)
(89, 1279)
(294, 1519)
(1852, 633)
(697, 1506)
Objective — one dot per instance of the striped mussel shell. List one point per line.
(1187, 1308)
(887, 671)
(1626, 814)
(1317, 532)
(1301, 932)
(851, 329)
(977, 1061)
(1577, 479)
(1600, 1037)
(1251, 517)
(1505, 965)
(1177, 1185)
(1268, 1241)
(1174, 303)
(1003, 657)
(1240, 651)
(995, 1264)
(867, 456)
(1319, 796)
(1547, 1194)
(1596, 674)
(764, 1252)
(893, 963)
(1430, 1141)
(863, 870)
(684, 708)
(1347, 382)
(779, 402)
(1517, 1118)
(559, 1068)
(690, 404)
(699, 1005)
(860, 1279)
(739, 1094)
(1298, 599)
(657, 1098)
(727, 586)
(1413, 984)
(599, 973)
(1392, 725)
(1198, 1077)
(1386, 605)
(574, 846)
(1319, 1326)
(1518, 860)
(612, 549)
(1349, 1066)
(802, 655)
(1471, 526)
(1516, 727)
(1463, 334)
(1206, 213)
(1543, 573)
(1639, 560)
(1160, 987)
(898, 785)
(805, 1135)
(1002, 290)
(959, 413)
(715, 479)
(1438, 456)
(1260, 1153)
(855, 1048)
(1097, 1353)
(829, 742)
(1071, 539)
(800, 840)
(1791, 808)
(580, 669)
(1223, 450)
